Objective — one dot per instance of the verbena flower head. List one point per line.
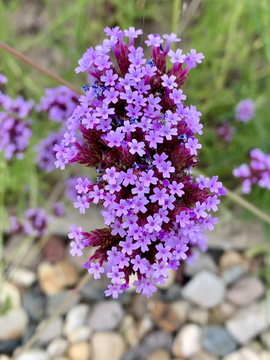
(245, 110)
(35, 222)
(14, 130)
(226, 131)
(141, 140)
(258, 172)
(58, 102)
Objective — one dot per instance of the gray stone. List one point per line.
(7, 347)
(249, 322)
(51, 332)
(57, 347)
(106, 315)
(76, 317)
(35, 305)
(245, 291)
(94, 290)
(233, 273)
(217, 341)
(203, 262)
(55, 301)
(171, 294)
(205, 290)
(153, 341)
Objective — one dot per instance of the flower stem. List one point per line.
(176, 10)
(46, 72)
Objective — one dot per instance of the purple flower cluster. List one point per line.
(35, 223)
(258, 172)
(245, 110)
(45, 148)
(226, 131)
(142, 142)
(14, 131)
(58, 102)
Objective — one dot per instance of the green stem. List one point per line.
(175, 18)
(46, 72)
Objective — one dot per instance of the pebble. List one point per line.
(10, 292)
(264, 355)
(13, 324)
(35, 305)
(249, 322)
(8, 346)
(76, 317)
(187, 342)
(164, 316)
(53, 331)
(107, 345)
(54, 249)
(242, 354)
(233, 273)
(144, 327)
(205, 290)
(231, 258)
(254, 346)
(217, 341)
(55, 301)
(153, 341)
(55, 277)
(203, 355)
(106, 315)
(81, 351)
(34, 354)
(202, 262)
(265, 338)
(4, 357)
(181, 308)
(245, 291)
(23, 277)
(79, 334)
(57, 347)
(198, 316)
(159, 354)
(171, 294)
(94, 290)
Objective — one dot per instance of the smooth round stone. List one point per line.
(203, 262)
(242, 354)
(10, 292)
(205, 290)
(76, 317)
(4, 357)
(171, 294)
(8, 346)
(79, 334)
(231, 258)
(13, 324)
(203, 355)
(23, 277)
(245, 291)
(106, 315)
(93, 290)
(264, 355)
(159, 354)
(153, 341)
(35, 304)
(34, 354)
(198, 316)
(233, 273)
(57, 347)
(217, 341)
(107, 345)
(80, 351)
(187, 342)
(181, 308)
(55, 301)
(53, 331)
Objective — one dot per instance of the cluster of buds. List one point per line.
(258, 172)
(141, 140)
(14, 131)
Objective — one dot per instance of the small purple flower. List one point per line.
(245, 110)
